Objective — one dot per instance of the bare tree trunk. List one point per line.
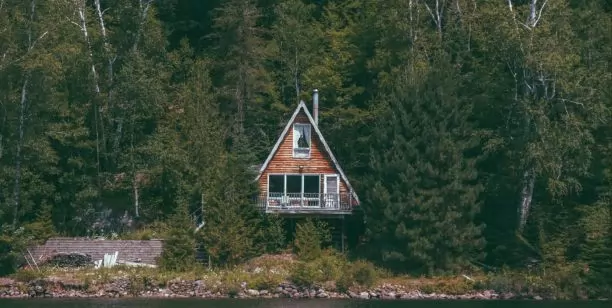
(437, 14)
(22, 108)
(413, 36)
(17, 189)
(296, 76)
(144, 11)
(526, 198)
(80, 6)
(135, 175)
(111, 62)
(528, 82)
(136, 197)
(1, 129)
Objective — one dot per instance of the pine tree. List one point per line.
(179, 244)
(421, 210)
(310, 237)
(232, 222)
(245, 88)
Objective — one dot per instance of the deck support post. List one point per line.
(342, 234)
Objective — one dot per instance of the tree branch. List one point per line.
(143, 17)
(540, 14)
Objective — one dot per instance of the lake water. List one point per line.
(287, 303)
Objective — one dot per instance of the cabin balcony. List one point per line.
(305, 203)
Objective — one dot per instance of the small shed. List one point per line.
(137, 251)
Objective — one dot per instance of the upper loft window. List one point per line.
(301, 140)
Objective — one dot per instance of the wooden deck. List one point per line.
(305, 203)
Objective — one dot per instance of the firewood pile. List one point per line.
(73, 259)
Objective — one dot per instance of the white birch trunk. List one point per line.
(437, 14)
(526, 198)
(17, 189)
(144, 11)
(1, 129)
(136, 198)
(111, 61)
(529, 81)
(22, 108)
(110, 58)
(80, 6)
(296, 76)
(81, 12)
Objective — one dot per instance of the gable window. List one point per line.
(301, 140)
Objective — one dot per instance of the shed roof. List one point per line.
(145, 251)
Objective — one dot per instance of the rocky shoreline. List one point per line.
(124, 287)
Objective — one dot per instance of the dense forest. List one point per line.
(476, 132)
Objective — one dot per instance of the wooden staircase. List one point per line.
(197, 219)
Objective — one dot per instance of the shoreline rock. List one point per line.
(123, 287)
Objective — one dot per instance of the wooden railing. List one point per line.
(304, 201)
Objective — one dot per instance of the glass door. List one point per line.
(331, 191)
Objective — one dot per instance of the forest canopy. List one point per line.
(476, 132)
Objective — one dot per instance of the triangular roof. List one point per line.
(302, 106)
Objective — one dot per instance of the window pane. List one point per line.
(311, 184)
(277, 184)
(301, 136)
(294, 184)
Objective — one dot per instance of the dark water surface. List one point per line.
(287, 303)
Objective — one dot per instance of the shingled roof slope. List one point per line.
(129, 250)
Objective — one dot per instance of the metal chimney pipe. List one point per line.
(315, 105)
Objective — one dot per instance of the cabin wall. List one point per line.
(284, 162)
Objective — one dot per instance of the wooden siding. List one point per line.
(283, 161)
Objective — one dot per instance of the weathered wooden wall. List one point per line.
(284, 162)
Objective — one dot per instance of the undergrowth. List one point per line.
(331, 270)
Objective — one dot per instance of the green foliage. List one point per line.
(136, 284)
(231, 223)
(450, 286)
(27, 275)
(443, 128)
(307, 274)
(155, 230)
(310, 236)
(597, 249)
(272, 235)
(329, 265)
(179, 245)
(364, 273)
(425, 194)
(14, 243)
(8, 257)
(333, 266)
(559, 281)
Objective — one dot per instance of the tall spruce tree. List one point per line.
(420, 212)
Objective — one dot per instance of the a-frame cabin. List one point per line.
(302, 178)
(301, 174)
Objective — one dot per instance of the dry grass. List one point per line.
(263, 272)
